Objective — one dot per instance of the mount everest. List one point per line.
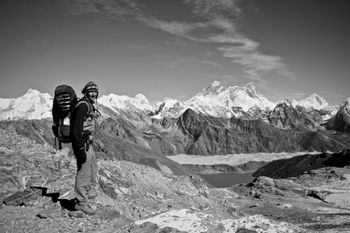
(215, 100)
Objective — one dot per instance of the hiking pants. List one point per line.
(86, 177)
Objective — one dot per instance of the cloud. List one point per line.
(244, 51)
(217, 22)
(175, 28)
(212, 63)
(224, 15)
(209, 8)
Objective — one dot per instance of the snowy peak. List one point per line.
(215, 84)
(169, 107)
(217, 96)
(313, 101)
(285, 103)
(124, 102)
(213, 89)
(32, 105)
(217, 100)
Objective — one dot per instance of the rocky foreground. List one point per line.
(37, 196)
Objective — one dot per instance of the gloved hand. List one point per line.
(80, 155)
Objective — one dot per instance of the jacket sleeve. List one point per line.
(77, 125)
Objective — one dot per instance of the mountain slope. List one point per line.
(284, 168)
(286, 116)
(209, 135)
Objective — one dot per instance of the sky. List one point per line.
(174, 48)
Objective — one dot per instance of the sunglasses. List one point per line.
(92, 94)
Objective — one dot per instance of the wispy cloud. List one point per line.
(211, 63)
(209, 8)
(175, 28)
(219, 23)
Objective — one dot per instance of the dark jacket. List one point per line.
(80, 123)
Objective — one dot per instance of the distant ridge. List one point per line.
(216, 100)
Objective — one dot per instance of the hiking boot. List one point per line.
(92, 193)
(85, 208)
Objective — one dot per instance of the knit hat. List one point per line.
(90, 86)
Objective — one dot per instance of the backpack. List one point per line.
(63, 103)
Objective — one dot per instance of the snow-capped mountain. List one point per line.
(124, 102)
(217, 100)
(37, 105)
(315, 101)
(32, 105)
(169, 107)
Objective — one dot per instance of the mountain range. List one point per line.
(215, 100)
(218, 120)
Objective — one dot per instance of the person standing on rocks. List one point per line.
(83, 122)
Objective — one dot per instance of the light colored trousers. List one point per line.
(86, 178)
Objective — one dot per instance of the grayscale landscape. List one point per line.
(216, 116)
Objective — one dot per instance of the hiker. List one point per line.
(82, 129)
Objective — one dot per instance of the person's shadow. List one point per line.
(65, 203)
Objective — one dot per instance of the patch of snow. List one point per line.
(183, 220)
(197, 222)
(259, 224)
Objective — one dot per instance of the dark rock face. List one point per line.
(285, 116)
(298, 165)
(225, 168)
(209, 135)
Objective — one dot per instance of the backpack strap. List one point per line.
(88, 104)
